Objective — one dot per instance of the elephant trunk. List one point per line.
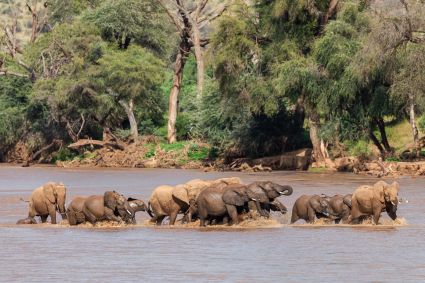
(286, 190)
(148, 209)
(61, 206)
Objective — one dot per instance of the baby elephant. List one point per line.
(77, 215)
(339, 207)
(310, 207)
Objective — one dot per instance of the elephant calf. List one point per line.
(111, 206)
(340, 208)
(44, 202)
(310, 207)
(218, 202)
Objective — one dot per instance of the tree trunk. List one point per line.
(175, 90)
(200, 66)
(129, 110)
(384, 139)
(376, 141)
(412, 119)
(314, 121)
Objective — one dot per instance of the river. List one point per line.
(300, 253)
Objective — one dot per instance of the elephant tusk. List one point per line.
(392, 203)
(253, 199)
(129, 212)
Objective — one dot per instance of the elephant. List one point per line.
(111, 206)
(267, 192)
(170, 201)
(218, 202)
(373, 200)
(135, 206)
(339, 208)
(308, 207)
(74, 211)
(44, 202)
(76, 216)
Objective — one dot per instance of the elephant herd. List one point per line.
(225, 200)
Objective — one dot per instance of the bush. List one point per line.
(359, 148)
(63, 154)
(421, 123)
(197, 152)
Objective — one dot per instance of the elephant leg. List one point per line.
(72, 219)
(173, 217)
(89, 216)
(311, 214)
(44, 218)
(233, 213)
(109, 215)
(376, 216)
(52, 213)
(337, 220)
(159, 219)
(202, 222)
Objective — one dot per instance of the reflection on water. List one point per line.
(324, 253)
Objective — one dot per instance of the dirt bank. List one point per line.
(377, 168)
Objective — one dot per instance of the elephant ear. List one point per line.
(380, 189)
(396, 186)
(110, 199)
(50, 192)
(233, 198)
(180, 192)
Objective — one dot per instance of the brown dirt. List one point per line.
(134, 155)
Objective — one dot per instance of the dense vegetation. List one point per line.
(250, 78)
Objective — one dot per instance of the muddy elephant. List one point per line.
(76, 216)
(373, 200)
(44, 202)
(135, 205)
(266, 194)
(74, 211)
(310, 207)
(218, 202)
(172, 200)
(111, 206)
(339, 208)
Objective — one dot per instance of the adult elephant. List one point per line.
(111, 206)
(170, 201)
(310, 207)
(373, 200)
(218, 202)
(76, 216)
(45, 201)
(340, 208)
(266, 193)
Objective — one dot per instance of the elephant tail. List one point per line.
(21, 199)
(148, 210)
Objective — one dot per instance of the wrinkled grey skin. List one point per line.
(339, 207)
(76, 215)
(267, 192)
(111, 206)
(135, 206)
(309, 207)
(223, 202)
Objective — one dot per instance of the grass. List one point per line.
(400, 136)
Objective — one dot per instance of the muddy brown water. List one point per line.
(279, 253)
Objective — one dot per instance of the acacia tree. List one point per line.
(190, 20)
(9, 42)
(132, 77)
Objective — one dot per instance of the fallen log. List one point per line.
(97, 143)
